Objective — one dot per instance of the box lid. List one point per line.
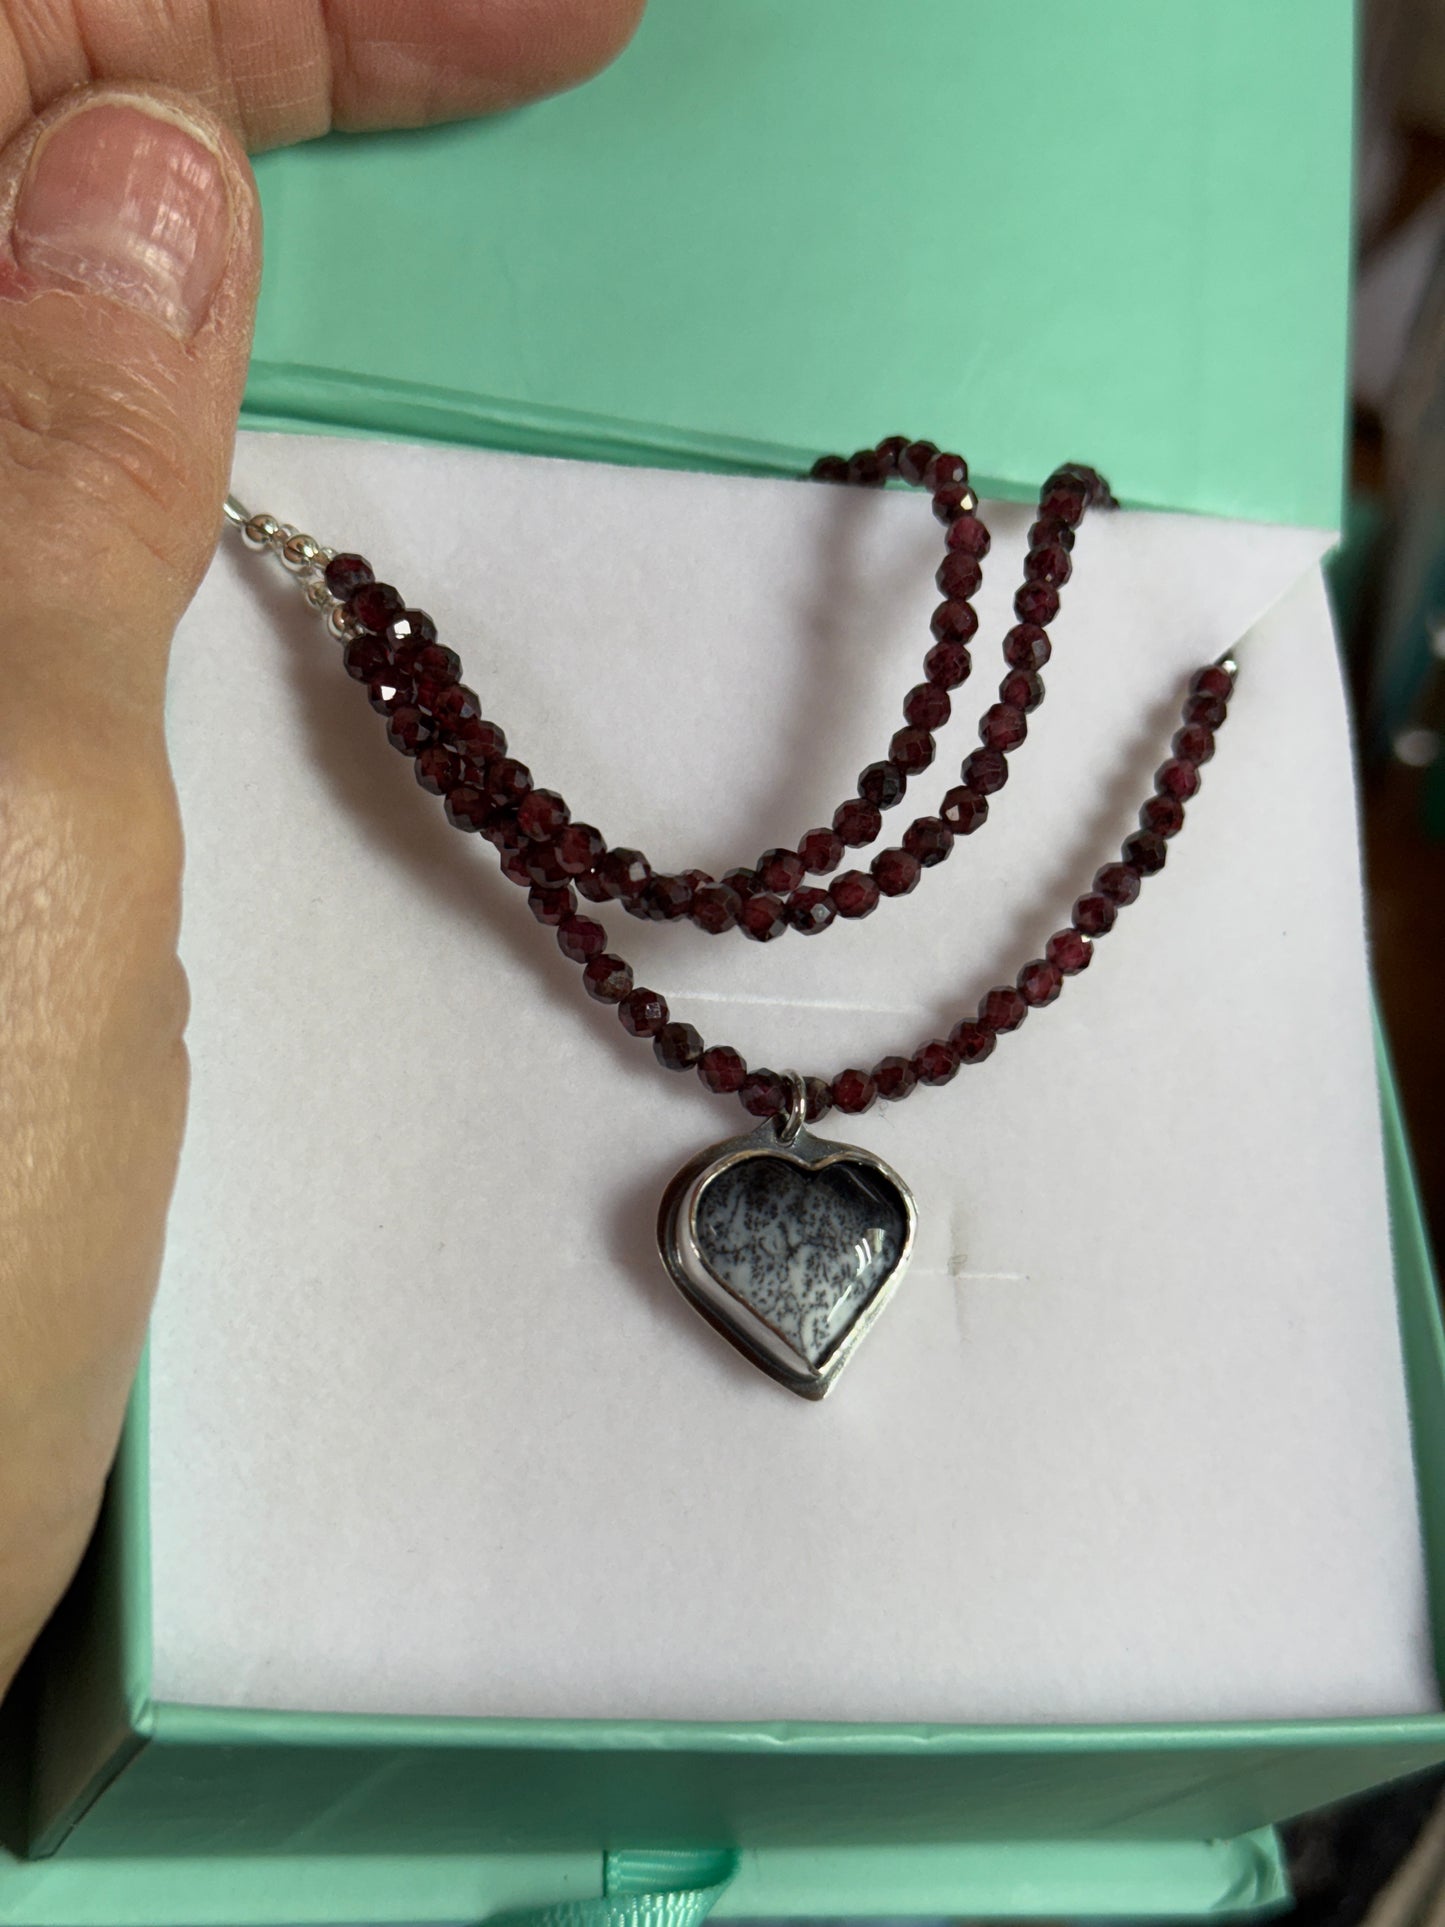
(1119, 235)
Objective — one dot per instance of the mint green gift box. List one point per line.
(773, 229)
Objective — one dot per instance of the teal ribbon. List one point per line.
(643, 1890)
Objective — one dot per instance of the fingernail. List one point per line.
(128, 204)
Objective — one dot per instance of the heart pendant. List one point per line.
(789, 1245)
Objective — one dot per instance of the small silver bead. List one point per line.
(318, 595)
(299, 552)
(260, 531)
(339, 623)
(324, 555)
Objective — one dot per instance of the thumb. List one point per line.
(128, 264)
(125, 321)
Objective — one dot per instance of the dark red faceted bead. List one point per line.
(1145, 852)
(715, 908)
(950, 502)
(517, 867)
(946, 471)
(895, 1078)
(666, 899)
(973, 1042)
(1177, 778)
(1164, 815)
(466, 807)
(1036, 602)
(948, 664)
(477, 739)
(721, 1070)
(822, 850)
(625, 873)
(507, 782)
(1065, 498)
(607, 978)
(1022, 689)
(865, 470)
(889, 450)
(365, 657)
(780, 871)
(1050, 533)
(389, 691)
(1026, 646)
(1193, 744)
(762, 917)
(929, 839)
(437, 769)
(452, 703)
(958, 576)
(695, 879)
(578, 845)
(935, 1062)
(896, 871)
(927, 706)
(374, 605)
(854, 1091)
(1213, 680)
(810, 911)
(408, 730)
(542, 815)
(912, 750)
(964, 811)
(432, 664)
(829, 468)
(857, 822)
(1069, 951)
(590, 886)
(500, 830)
(643, 1012)
(913, 463)
(743, 882)
(1003, 1008)
(677, 1047)
(954, 621)
(1094, 915)
(1205, 712)
(985, 771)
(579, 938)
(855, 893)
(413, 630)
(552, 903)
(966, 537)
(345, 574)
(1040, 982)
(884, 783)
(763, 1094)
(1118, 883)
(817, 1098)
(1050, 565)
(1002, 727)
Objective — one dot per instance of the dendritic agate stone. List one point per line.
(805, 1247)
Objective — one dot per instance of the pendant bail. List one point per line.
(791, 1121)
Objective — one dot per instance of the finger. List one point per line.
(280, 71)
(127, 283)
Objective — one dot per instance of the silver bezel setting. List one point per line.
(751, 1334)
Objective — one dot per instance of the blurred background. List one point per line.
(1389, 576)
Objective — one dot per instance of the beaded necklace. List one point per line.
(788, 1243)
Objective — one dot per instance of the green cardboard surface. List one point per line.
(1116, 233)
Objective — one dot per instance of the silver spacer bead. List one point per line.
(318, 595)
(299, 552)
(260, 532)
(340, 624)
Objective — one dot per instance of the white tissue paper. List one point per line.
(432, 1432)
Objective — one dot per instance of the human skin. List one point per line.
(128, 268)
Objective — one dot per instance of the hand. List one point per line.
(126, 295)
